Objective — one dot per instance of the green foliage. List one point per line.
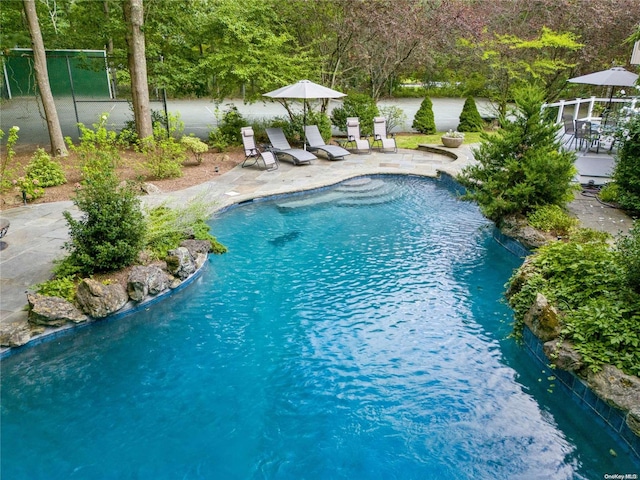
(293, 126)
(356, 105)
(521, 167)
(195, 146)
(163, 157)
(167, 227)
(62, 287)
(628, 252)
(470, 119)
(585, 281)
(228, 130)
(6, 172)
(29, 188)
(609, 193)
(48, 172)
(553, 219)
(424, 121)
(394, 116)
(98, 149)
(111, 231)
(627, 169)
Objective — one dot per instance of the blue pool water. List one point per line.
(356, 333)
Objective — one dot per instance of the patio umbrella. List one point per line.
(305, 90)
(613, 77)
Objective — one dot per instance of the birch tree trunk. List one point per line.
(134, 18)
(58, 147)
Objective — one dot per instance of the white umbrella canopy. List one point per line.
(305, 90)
(613, 77)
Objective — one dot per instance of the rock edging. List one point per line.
(96, 300)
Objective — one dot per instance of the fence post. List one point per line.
(73, 94)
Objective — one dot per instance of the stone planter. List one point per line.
(451, 142)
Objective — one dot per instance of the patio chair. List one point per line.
(381, 137)
(587, 133)
(354, 137)
(315, 143)
(253, 155)
(281, 147)
(569, 129)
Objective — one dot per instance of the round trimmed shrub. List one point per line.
(470, 119)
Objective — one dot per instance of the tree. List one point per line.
(58, 147)
(470, 119)
(356, 105)
(627, 169)
(424, 121)
(522, 166)
(134, 17)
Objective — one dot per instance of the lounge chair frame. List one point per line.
(280, 147)
(316, 143)
(355, 138)
(253, 155)
(381, 137)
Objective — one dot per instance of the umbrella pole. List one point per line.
(304, 123)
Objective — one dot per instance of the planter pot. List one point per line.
(452, 142)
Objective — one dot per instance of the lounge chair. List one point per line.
(354, 137)
(281, 146)
(315, 142)
(380, 135)
(253, 155)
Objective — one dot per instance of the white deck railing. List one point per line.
(580, 104)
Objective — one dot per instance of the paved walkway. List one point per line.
(38, 232)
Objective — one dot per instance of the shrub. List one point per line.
(553, 219)
(29, 188)
(628, 252)
(424, 121)
(609, 193)
(163, 157)
(111, 231)
(293, 127)
(63, 287)
(627, 169)
(356, 105)
(521, 167)
(195, 146)
(394, 116)
(7, 173)
(470, 119)
(229, 124)
(48, 172)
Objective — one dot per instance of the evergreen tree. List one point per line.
(627, 170)
(424, 121)
(470, 119)
(521, 167)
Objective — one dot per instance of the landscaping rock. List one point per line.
(616, 388)
(180, 263)
(633, 420)
(99, 300)
(53, 311)
(563, 355)
(519, 229)
(15, 334)
(146, 280)
(196, 246)
(543, 320)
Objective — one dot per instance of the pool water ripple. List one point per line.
(363, 342)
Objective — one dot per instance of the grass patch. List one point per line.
(412, 140)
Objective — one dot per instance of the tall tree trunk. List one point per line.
(134, 18)
(58, 147)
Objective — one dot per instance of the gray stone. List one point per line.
(52, 311)
(633, 420)
(15, 334)
(196, 246)
(543, 320)
(150, 188)
(563, 355)
(99, 300)
(519, 229)
(180, 263)
(146, 280)
(616, 388)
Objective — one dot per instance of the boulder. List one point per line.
(616, 388)
(543, 319)
(563, 355)
(99, 300)
(146, 280)
(519, 229)
(52, 311)
(196, 246)
(180, 263)
(633, 420)
(15, 334)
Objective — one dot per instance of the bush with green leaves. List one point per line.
(394, 116)
(293, 126)
(470, 119)
(194, 145)
(167, 227)
(609, 193)
(521, 167)
(356, 105)
(47, 171)
(424, 121)
(627, 169)
(585, 281)
(111, 230)
(164, 155)
(628, 254)
(6, 163)
(62, 287)
(552, 219)
(227, 133)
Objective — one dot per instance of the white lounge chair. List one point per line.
(354, 137)
(281, 146)
(253, 155)
(381, 137)
(315, 142)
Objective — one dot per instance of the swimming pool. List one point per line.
(357, 332)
